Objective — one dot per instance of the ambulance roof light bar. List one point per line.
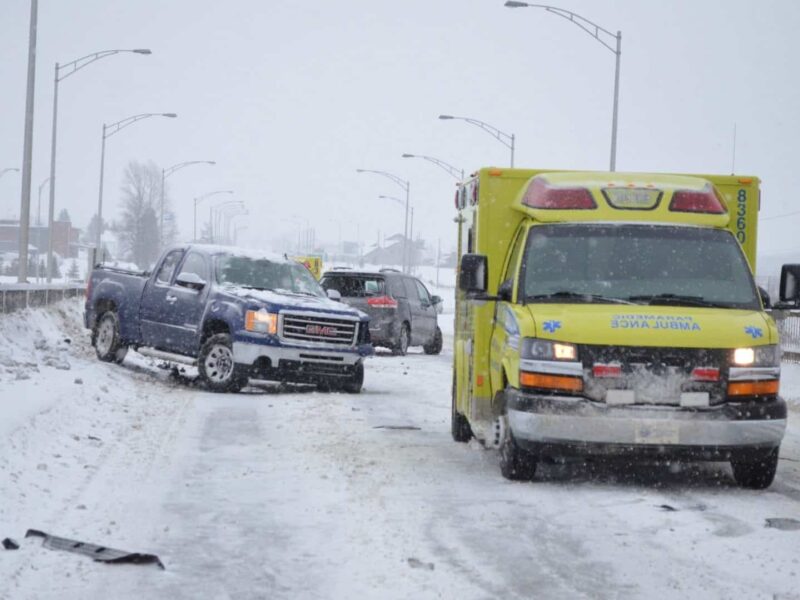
(541, 194)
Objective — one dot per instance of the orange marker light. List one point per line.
(551, 382)
(754, 388)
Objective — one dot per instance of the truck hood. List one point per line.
(275, 301)
(667, 326)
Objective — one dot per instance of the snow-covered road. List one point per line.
(296, 494)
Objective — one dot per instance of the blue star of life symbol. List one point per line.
(551, 326)
(754, 332)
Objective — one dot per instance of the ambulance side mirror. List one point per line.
(766, 302)
(473, 276)
(790, 284)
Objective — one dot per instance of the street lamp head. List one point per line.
(211, 162)
(141, 51)
(513, 4)
(445, 117)
(170, 115)
(409, 155)
(359, 170)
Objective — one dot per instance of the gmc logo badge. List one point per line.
(320, 330)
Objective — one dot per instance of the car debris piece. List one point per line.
(10, 544)
(785, 524)
(97, 553)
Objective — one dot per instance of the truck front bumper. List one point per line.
(298, 364)
(565, 425)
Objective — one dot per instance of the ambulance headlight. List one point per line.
(759, 356)
(536, 349)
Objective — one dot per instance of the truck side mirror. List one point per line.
(334, 295)
(790, 286)
(473, 276)
(190, 280)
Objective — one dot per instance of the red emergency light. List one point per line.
(705, 374)
(605, 370)
(697, 201)
(540, 194)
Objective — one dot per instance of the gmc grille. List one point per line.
(316, 328)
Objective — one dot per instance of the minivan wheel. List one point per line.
(401, 345)
(435, 345)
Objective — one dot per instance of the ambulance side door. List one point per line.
(506, 331)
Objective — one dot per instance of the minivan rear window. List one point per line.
(355, 286)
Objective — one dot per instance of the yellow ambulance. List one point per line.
(614, 315)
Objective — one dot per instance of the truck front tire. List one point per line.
(755, 469)
(216, 366)
(106, 338)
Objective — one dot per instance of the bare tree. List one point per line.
(138, 229)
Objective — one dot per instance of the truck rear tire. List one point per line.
(435, 345)
(755, 469)
(216, 366)
(106, 338)
(459, 426)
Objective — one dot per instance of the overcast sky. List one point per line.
(290, 98)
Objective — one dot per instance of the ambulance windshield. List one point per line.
(641, 263)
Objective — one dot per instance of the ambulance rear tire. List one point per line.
(755, 469)
(459, 426)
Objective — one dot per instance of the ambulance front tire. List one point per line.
(516, 464)
(755, 469)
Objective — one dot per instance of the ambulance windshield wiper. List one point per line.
(677, 300)
(589, 298)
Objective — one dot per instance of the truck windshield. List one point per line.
(647, 264)
(264, 274)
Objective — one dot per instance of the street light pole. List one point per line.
(108, 131)
(406, 185)
(39, 229)
(507, 139)
(594, 30)
(69, 68)
(166, 173)
(27, 148)
(453, 171)
(197, 201)
(213, 218)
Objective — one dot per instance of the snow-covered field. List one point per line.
(295, 494)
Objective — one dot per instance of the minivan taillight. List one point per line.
(382, 302)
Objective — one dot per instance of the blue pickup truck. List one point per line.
(235, 314)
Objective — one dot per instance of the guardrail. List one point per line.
(788, 322)
(15, 297)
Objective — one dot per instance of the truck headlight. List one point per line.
(261, 321)
(760, 356)
(536, 349)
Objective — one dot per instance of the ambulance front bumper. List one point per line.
(575, 425)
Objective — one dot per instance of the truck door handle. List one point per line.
(172, 299)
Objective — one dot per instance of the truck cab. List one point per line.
(614, 315)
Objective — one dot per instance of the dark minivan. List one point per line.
(402, 311)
